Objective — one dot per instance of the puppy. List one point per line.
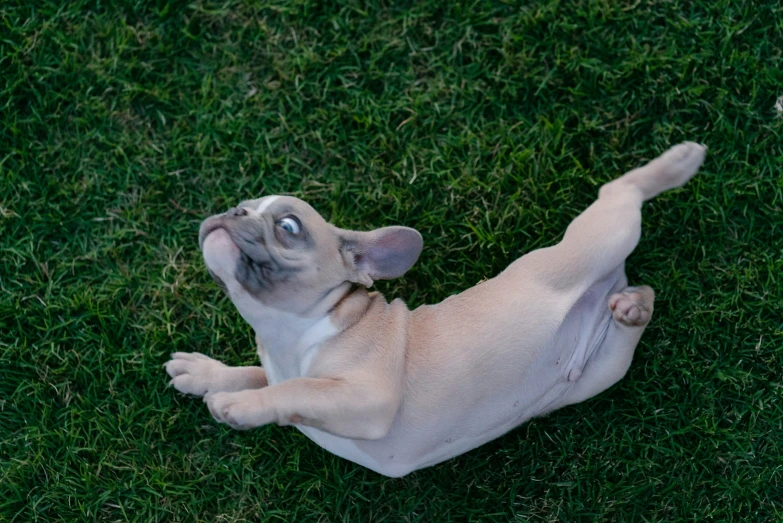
(397, 390)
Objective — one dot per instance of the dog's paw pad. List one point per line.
(632, 307)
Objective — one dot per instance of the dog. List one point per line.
(397, 390)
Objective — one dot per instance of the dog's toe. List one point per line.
(193, 373)
(226, 408)
(189, 384)
(175, 367)
(633, 306)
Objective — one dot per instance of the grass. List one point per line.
(486, 125)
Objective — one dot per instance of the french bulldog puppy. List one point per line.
(397, 390)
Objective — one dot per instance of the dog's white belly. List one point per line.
(401, 452)
(540, 390)
(521, 389)
(371, 454)
(412, 445)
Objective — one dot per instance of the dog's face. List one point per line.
(279, 251)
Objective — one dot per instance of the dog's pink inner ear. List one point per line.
(387, 253)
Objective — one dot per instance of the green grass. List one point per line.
(485, 125)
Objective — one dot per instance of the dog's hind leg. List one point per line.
(670, 170)
(602, 237)
(631, 311)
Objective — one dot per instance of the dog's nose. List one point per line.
(237, 211)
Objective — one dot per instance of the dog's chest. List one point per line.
(282, 365)
(285, 363)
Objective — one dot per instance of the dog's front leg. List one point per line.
(333, 406)
(197, 374)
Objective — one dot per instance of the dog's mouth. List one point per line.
(254, 266)
(258, 270)
(209, 226)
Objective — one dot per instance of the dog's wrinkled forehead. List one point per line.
(280, 206)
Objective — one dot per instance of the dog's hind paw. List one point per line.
(633, 306)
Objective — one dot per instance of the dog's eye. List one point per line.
(289, 224)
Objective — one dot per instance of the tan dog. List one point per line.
(398, 390)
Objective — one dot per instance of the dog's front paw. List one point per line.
(239, 410)
(194, 373)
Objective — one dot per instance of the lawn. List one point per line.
(485, 125)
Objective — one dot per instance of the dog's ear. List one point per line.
(381, 254)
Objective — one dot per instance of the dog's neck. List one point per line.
(286, 335)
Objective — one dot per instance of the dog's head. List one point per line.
(283, 254)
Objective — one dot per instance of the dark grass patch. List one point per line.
(487, 126)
